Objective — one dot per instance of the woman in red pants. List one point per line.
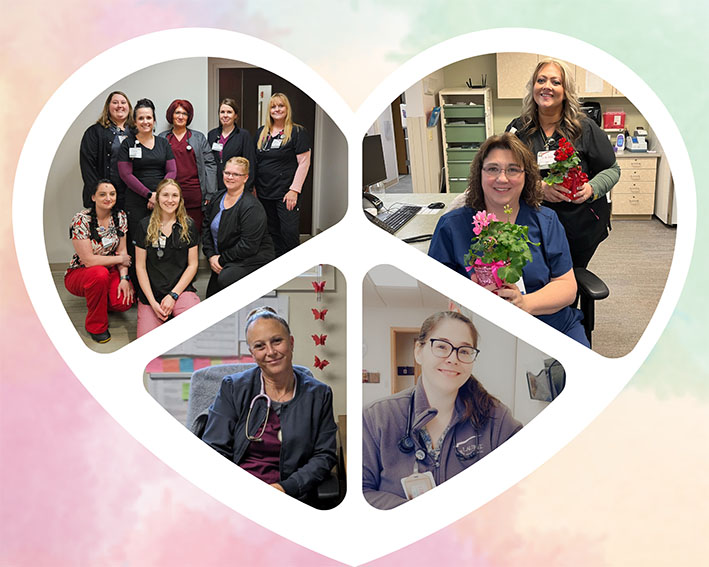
(99, 269)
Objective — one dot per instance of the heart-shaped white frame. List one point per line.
(115, 380)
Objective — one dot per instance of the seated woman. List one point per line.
(274, 421)
(99, 269)
(165, 259)
(235, 236)
(421, 437)
(504, 175)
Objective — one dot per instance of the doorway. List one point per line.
(242, 84)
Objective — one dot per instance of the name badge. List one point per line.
(275, 144)
(106, 241)
(545, 158)
(417, 483)
(217, 147)
(135, 153)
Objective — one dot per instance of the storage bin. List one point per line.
(463, 111)
(465, 133)
(458, 185)
(461, 154)
(458, 169)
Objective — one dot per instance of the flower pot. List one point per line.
(487, 272)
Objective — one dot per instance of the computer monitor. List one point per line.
(373, 167)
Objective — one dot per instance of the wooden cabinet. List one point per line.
(466, 122)
(404, 368)
(514, 70)
(634, 194)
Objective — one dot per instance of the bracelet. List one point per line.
(126, 277)
(174, 295)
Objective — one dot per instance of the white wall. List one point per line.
(329, 173)
(162, 83)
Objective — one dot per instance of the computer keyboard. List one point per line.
(393, 221)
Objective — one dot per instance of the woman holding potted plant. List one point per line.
(504, 182)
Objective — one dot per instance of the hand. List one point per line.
(126, 260)
(291, 199)
(278, 487)
(555, 193)
(151, 202)
(167, 305)
(125, 290)
(584, 193)
(510, 292)
(214, 264)
(159, 312)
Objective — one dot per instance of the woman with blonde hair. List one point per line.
(166, 257)
(551, 111)
(235, 237)
(98, 151)
(417, 439)
(282, 164)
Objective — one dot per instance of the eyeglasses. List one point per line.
(443, 349)
(230, 174)
(511, 172)
(180, 113)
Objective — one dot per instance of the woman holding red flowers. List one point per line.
(550, 112)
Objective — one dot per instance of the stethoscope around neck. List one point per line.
(463, 450)
(261, 395)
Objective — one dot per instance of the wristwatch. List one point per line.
(126, 277)
(174, 295)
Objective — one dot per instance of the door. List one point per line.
(242, 85)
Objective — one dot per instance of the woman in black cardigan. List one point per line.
(235, 236)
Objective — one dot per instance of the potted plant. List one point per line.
(566, 169)
(499, 250)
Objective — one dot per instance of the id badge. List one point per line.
(545, 158)
(417, 483)
(275, 144)
(106, 241)
(135, 153)
(217, 147)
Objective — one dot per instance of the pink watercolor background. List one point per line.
(76, 489)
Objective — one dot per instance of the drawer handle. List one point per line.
(635, 164)
(635, 176)
(635, 189)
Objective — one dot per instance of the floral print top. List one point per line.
(109, 239)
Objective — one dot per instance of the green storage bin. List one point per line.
(463, 111)
(458, 169)
(458, 185)
(461, 154)
(465, 133)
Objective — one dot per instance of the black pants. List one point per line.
(282, 225)
(230, 273)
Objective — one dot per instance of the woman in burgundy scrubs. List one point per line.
(196, 168)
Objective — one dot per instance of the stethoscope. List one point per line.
(262, 429)
(464, 450)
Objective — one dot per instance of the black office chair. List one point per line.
(204, 386)
(591, 288)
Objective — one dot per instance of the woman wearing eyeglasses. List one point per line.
(274, 421)
(504, 177)
(550, 111)
(235, 236)
(421, 437)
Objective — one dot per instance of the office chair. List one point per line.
(204, 386)
(591, 288)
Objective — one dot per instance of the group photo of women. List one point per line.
(233, 204)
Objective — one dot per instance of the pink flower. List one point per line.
(481, 220)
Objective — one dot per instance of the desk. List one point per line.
(421, 223)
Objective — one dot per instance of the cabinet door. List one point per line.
(513, 72)
(599, 88)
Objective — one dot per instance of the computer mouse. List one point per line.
(436, 205)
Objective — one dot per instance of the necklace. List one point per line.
(286, 393)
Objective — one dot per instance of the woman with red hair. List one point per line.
(196, 169)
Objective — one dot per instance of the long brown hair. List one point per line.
(287, 128)
(478, 402)
(105, 118)
(153, 232)
(570, 123)
(532, 193)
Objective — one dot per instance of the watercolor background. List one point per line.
(76, 489)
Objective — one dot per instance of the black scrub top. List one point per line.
(276, 166)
